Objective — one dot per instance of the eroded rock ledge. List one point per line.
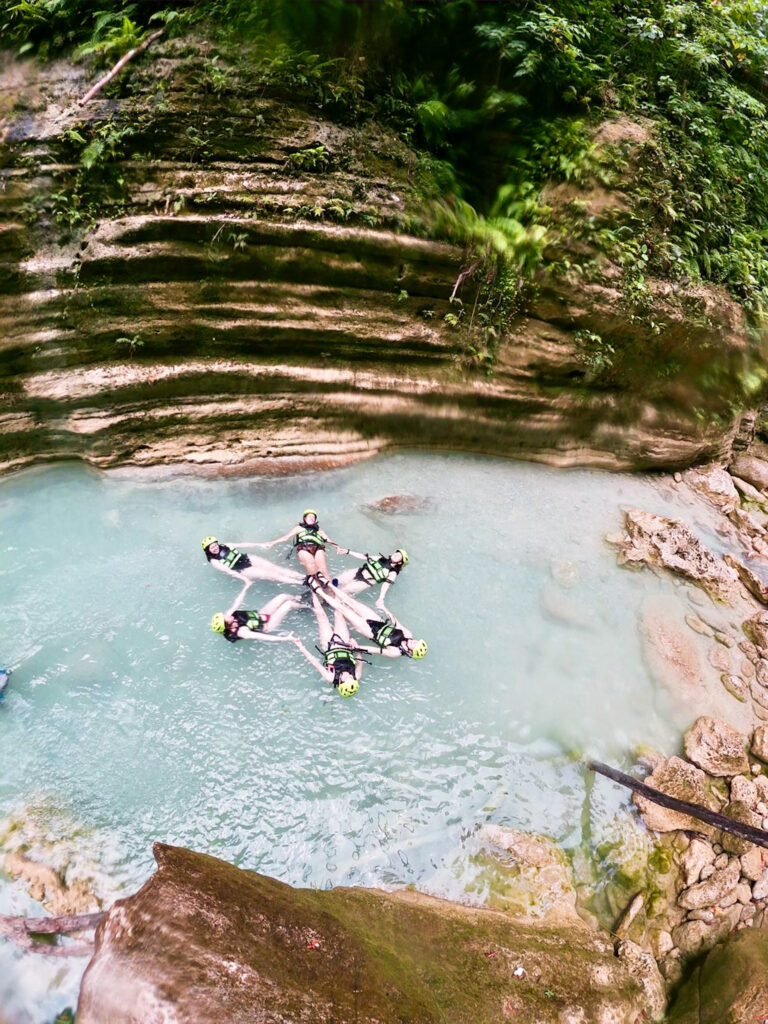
(231, 307)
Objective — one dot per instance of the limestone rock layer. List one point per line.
(222, 279)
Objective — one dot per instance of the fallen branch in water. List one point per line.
(118, 67)
(735, 828)
(21, 929)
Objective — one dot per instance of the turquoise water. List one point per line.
(135, 722)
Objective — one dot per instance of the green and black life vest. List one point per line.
(249, 619)
(378, 568)
(383, 635)
(339, 657)
(233, 557)
(309, 535)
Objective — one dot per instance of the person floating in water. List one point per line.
(228, 558)
(309, 542)
(5, 678)
(235, 624)
(384, 570)
(392, 638)
(342, 665)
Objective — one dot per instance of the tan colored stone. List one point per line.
(753, 863)
(754, 584)
(713, 890)
(698, 625)
(754, 471)
(756, 630)
(715, 484)
(720, 659)
(716, 747)
(759, 745)
(698, 855)
(743, 788)
(680, 779)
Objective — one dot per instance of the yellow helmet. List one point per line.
(218, 625)
(404, 553)
(308, 512)
(419, 649)
(208, 540)
(348, 686)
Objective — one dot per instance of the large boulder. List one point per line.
(205, 941)
(716, 747)
(730, 986)
(670, 544)
(754, 471)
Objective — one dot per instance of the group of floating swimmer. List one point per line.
(340, 661)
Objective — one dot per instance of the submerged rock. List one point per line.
(670, 544)
(205, 941)
(754, 584)
(400, 504)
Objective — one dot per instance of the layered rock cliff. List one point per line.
(196, 271)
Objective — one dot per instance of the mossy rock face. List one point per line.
(210, 232)
(730, 986)
(205, 941)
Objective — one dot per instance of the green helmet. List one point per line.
(404, 554)
(348, 686)
(218, 625)
(419, 649)
(208, 540)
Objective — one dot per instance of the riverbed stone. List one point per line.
(203, 941)
(716, 747)
(698, 625)
(698, 855)
(743, 788)
(694, 936)
(753, 863)
(716, 484)
(759, 744)
(720, 659)
(760, 887)
(751, 469)
(680, 779)
(643, 966)
(736, 686)
(670, 543)
(754, 583)
(713, 890)
(742, 812)
(756, 631)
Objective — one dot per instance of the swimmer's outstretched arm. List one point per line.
(311, 658)
(239, 599)
(279, 540)
(353, 554)
(380, 599)
(385, 652)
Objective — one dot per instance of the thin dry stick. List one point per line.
(725, 824)
(119, 66)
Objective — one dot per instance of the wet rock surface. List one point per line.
(204, 941)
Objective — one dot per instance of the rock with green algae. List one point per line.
(730, 986)
(205, 941)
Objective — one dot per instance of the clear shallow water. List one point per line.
(131, 716)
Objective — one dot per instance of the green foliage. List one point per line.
(312, 158)
(131, 344)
